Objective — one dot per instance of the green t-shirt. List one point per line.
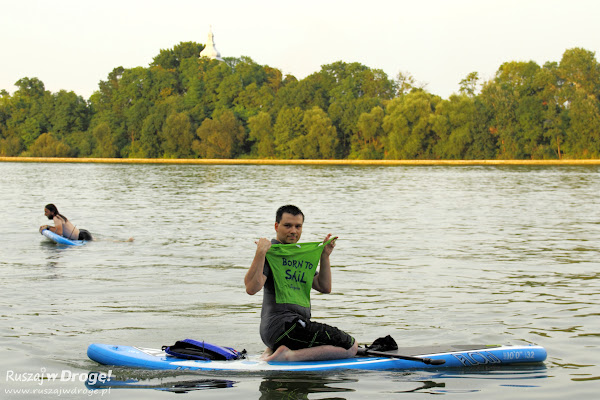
(293, 267)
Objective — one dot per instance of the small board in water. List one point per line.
(61, 239)
(454, 356)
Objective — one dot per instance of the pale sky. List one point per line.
(74, 44)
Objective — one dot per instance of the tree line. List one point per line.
(183, 106)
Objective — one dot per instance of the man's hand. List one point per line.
(322, 281)
(329, 248)
(255, 279)
(262, 246)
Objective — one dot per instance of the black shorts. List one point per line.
(84, 235)
(300, 334)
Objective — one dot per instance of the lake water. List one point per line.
(429, 255)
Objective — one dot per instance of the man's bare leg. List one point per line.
(319, 353)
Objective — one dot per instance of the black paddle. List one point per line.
(424, 360)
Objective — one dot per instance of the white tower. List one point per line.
(210, 50)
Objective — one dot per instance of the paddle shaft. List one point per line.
(424, 360)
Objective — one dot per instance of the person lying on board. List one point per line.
(287, 274)
(62, 226)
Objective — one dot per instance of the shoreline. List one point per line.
(193, 161)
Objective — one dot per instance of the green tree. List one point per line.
(177, 136)
(409, 126)
(31, 87)
(288, 126)
(580, 71)
(516, 101)
(274, 79)
(583, 133)
(150, 145)
(261, 133)
(11, 146)
(250, 72)
(173, 58)
(484, 144)
(134, 120)
(30, 107)
(580, 77)
(46, 145)
(110, 103)
(213, 91)
(227, 91)
(81, 143)
(368, 142)
(71, 113)
(105, 145)
(406, 83)
(553, 111)
(251, 100)
(318, 137)
(307, 93)
(354, 90)
(454, 126)
(220, 137)
(468, 86)
(195, 102)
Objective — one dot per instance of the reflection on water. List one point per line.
(368, 384)
(164, 385)
(429, 255)
(300, 387)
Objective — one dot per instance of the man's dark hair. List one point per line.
(290, 209)
(54, 212)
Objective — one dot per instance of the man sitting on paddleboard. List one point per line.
(287, 274)
(62, 226)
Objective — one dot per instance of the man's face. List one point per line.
(47, 213)
(289, 228)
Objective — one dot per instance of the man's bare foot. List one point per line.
(266, 354)
(281, 354)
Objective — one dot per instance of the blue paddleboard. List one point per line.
(61, 239)
(454, 356)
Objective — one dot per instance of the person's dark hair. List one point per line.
(52, 208)
(290, 209)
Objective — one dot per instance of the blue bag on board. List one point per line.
(190, 349)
